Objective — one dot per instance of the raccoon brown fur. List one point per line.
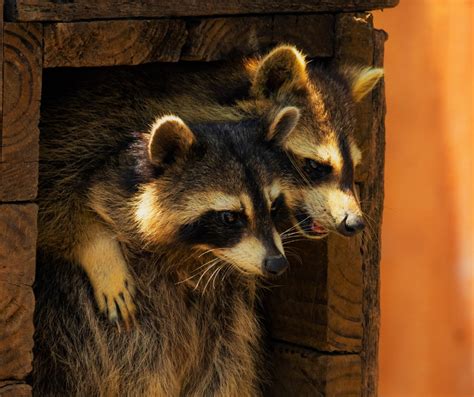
(131, 102)
(166, 201)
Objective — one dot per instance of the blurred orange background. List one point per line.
(427, 298)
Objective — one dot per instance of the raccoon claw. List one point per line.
(118, 305)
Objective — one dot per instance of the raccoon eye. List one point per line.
(228, 217)
(277, 203)
(317, 170)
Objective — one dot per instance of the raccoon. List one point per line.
(322, 197)
(181, 205)
(319, 188)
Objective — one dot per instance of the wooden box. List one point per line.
(324, 316)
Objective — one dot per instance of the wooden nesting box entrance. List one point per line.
(324, 316)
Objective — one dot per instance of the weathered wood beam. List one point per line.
(17, 271)
(53, 10)
(358, 42)
(297, 371)
(22, 71)
(319, 303)
(133, 42)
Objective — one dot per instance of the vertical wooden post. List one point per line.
(330, 303)
(20, 82)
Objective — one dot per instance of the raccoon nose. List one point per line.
(351, 224)
(275, 265)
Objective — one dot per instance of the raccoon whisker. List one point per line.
(227, 271)
(215, 277)
(207, 252)
(292, 241)
(372, 232)
(296, 256)
(288, 230)
(297, 168)
(204, 273)
(295, 226)
(196, 272)
(210, 278)
(290, 235)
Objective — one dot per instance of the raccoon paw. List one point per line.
(115, 300)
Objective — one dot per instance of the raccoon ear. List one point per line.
(170, 138)
(281, 71)
(363, 80)
(283, 124)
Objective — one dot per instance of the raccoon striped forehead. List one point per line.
(327, 152)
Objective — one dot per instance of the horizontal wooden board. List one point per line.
(298, 371)
(216, 39)
(17, 271)
(53, 10)
(133, 42)
(19, 133)
(113, 42)
(14, 389)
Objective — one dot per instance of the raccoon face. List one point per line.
(321, 194)
(217, 191)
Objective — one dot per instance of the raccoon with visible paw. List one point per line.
(185, 204)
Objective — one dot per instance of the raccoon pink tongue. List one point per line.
(317, 228)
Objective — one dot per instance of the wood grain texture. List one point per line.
(319, 302)
(53, 10)
(17, 271)
(22, 70)
(111, 43)
(223, 38)
(358, 42)
(132, 42)
(301, 372)
(14, 389)
(374, 189)
(1, 76)
(18, 181)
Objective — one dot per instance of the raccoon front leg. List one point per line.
(100, 256)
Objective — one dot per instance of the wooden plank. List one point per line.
(22, 69)
(223, 38)
(319, 302)
(301, 372)
(17, 271)
(132, 42)
(18, 181)
(110, 43)
(53, 10)
(358, 42)
(14, 389)
(373, 208)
